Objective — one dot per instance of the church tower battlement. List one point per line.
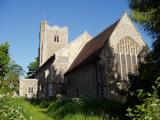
(52, 39)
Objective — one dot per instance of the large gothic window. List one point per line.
(126, 57)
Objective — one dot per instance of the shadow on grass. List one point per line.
(96, 108)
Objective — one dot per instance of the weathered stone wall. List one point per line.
(48, 43)
(119, 56)
(82, 82)
(44, 76)
(51, 76)
(108, 76)
(28, 87)
(71, 51)
(126, 28)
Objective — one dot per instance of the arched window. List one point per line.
(56, 38)
(127, 50)
(127, 46)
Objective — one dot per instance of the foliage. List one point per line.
(44, 104)
(60, 109)
(4, 58)
(10, 84)
(9, 110)
(150, 107)
(32, 112)
(32, 67)
(9, 77)
(9, 71)
(11, 81)
(80, 109)
(80, 116)
(15, 69)
(147, 13)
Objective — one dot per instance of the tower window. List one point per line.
(56, 38)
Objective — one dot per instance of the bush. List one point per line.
(88, 109)
(79, 116)
(44, 104)
(10, 110)
(150, 108)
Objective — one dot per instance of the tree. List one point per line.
(10, 84)
(11, 81)
(15, 69)
(4, 58)
(9, 71)
(32, 67)
(147, 14)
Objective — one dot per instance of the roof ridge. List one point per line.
(94, 45)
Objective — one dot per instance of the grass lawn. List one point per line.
(33, 112)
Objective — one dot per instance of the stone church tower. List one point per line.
(52, 39)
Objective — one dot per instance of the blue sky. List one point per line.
(20, 21)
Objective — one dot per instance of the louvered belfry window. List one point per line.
(56, 38)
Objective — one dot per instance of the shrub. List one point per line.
(80, 116)
(10, 111)
(150, 108)
(44, 104)
(78, 109)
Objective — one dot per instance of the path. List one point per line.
(36, 112)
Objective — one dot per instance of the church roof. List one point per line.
(92, 49)
(50, 60)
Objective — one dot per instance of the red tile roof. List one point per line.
(92, 49)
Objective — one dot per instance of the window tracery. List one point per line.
(128, 51)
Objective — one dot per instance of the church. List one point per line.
(88, 66)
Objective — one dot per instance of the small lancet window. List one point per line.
(57, 38)
(54, 38)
